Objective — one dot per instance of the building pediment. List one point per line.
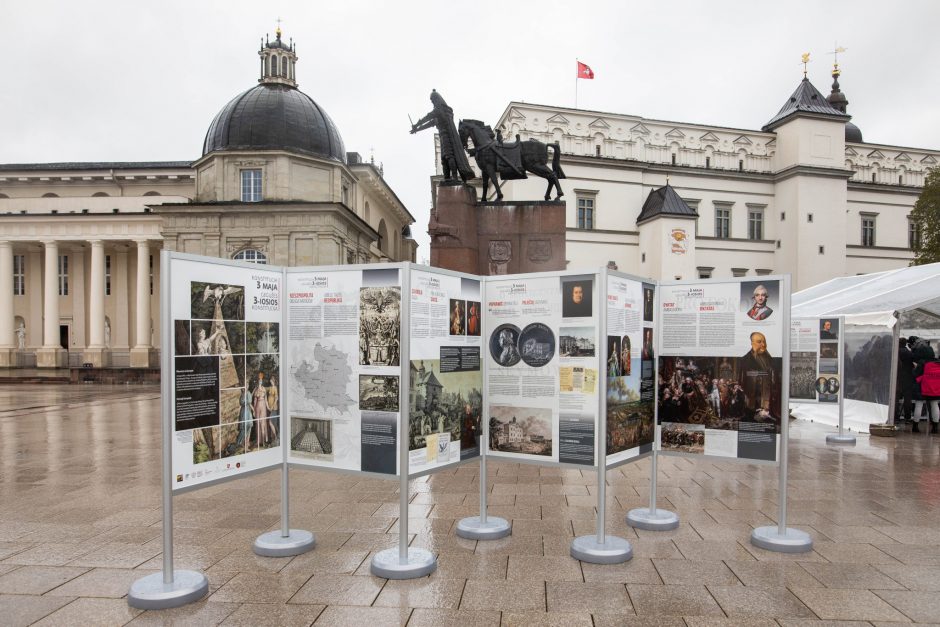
(639, 129)
(742, 140)
(709, 137)
(599, 123)
(515, 115)
(876, 154)
(929, 160)
(675, 134)
(850, 152)
(558, 119)
(902, 157)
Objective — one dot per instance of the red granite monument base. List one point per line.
(495, 237)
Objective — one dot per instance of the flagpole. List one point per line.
(576, 77)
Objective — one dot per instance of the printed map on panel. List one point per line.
(322, 379)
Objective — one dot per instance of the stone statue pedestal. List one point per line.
(495, 238)
(7, 357)
(52, 357)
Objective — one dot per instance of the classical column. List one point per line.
(97, 353)
(142, 353)
(51, 355)
(7, 335)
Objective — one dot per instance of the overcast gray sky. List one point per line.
(133, 81)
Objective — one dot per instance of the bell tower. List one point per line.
(278, 60)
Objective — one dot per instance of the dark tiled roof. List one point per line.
(97, 165)
(275, 117)
(806, 99)
(665, 202)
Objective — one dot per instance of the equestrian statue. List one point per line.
(510, 161)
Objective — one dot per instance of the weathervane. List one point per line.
(835, 64)
(805, 63)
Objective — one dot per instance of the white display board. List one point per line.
(815, 373)
(343, 354)
(724, 353)
(542, 367)
(445, 381)
(630, 367)
(225, 410)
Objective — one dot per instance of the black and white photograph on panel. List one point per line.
(181, 337)
(537, 344)
(802, 375)
(217, 301)
(576, 342)
(522, 430)
(262, 337)
(379, 323)
(684, 438)
(312, 438)
(443, 402)
(759, 299)
(504, 345)
(828, 350)
(378, 392)
(577, 297)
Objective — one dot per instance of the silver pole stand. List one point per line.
(842, 437)
(285, 541)
(404, 562)
(483, 527)
(170, 588)
(653, 518)
(781, 538)
(601, 548)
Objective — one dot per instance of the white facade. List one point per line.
(791, 200)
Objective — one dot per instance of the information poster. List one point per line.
(446, 377)
(542, 374)
(629, 368)
(720, 367)
(344, 367)
(226, 404)
(804, 354)
(828, 380)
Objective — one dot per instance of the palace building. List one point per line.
(804, 195)
(80, 242)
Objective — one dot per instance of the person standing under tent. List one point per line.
(928, 376)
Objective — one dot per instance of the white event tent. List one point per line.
(879, 308)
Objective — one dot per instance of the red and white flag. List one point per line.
(584, 71)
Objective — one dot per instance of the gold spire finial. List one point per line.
(278, 30)
(835, 64)
(805, 63)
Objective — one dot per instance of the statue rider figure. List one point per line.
(453, 157)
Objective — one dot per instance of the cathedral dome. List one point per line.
(274, 116)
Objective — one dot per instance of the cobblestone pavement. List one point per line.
(80, 520)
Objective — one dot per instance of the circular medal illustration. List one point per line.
(832, 385)
(504, 345)
(537, 344)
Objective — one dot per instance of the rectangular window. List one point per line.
(755, 224)
(913, 235)
(868, 231)
(738, 271)
(251, 185)
(151, 275)
(704, 272)
(585, 213)
(63, 275)
(107, 275)
(723, 222)
(19, 275)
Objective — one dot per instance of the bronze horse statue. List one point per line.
(510, 161)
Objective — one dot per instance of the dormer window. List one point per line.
(251, 185)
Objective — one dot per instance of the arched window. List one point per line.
(368, 212)
(251, 256)
(273, 65)
(50, 195)
(99, 194)
(151, 193)
(3, 196)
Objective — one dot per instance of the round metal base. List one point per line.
(493, 529)
(835, 438)
(613, 550)
(388, 565)
(793, 541)
(656, 520)
(273, 544)
(150, 593)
